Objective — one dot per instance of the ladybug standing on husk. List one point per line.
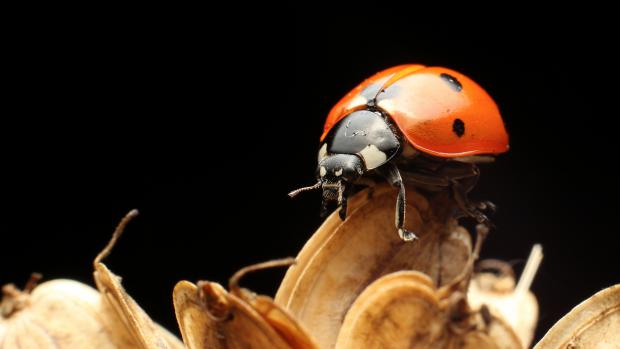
(410, 124)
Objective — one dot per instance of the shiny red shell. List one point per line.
(425, 103)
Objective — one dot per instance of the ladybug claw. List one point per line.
(343, 212)
(482, 219)
(479, 216)
(487, 206)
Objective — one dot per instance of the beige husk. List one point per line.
(66, 314)
(211, 317)
(595, 323)
(349, 287)
(404, 310)
(355, 284)
(63, 314)
(146, 333)
(343, 258)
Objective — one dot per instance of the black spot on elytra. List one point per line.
(458, 126)
(452, 81)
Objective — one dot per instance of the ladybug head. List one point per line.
(338, 168)
(335, 173)
(360, 142)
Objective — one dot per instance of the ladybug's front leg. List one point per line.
(393, 177)
(404, 234)
(342, 201)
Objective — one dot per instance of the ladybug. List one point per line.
(427, 127)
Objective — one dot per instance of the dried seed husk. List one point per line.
(281, 321)
(63, 314)
(520, 310)
(66, 314)
(595, 323)
(146, 333)
(512, 302)
(405, 310)
(342, 258)
(211, 317)
(392, 311)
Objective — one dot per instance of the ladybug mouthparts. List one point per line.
(334, 193)
(335, 173)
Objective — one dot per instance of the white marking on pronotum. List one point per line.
(338, 172)
(323, 152)
(322, 171)
(373, 157)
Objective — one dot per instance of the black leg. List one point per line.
(324, 208)
(342, 200)
(393, 176)
(487, 206)
(470, 209)
(404, 234)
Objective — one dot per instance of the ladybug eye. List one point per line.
(452, 81)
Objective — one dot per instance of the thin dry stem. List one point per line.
(117, 233)
(233, 284)
(462, 280)
(32, 282)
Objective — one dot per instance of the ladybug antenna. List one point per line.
(312, 187)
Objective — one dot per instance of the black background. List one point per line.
(205, 125)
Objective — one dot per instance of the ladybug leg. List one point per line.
(324, 209)
(487, 206)
(404, 234)
(470, 209)
(393, 176)
(342, 200)
(338, 193)
(343, 210)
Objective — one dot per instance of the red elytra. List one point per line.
(424, 103)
